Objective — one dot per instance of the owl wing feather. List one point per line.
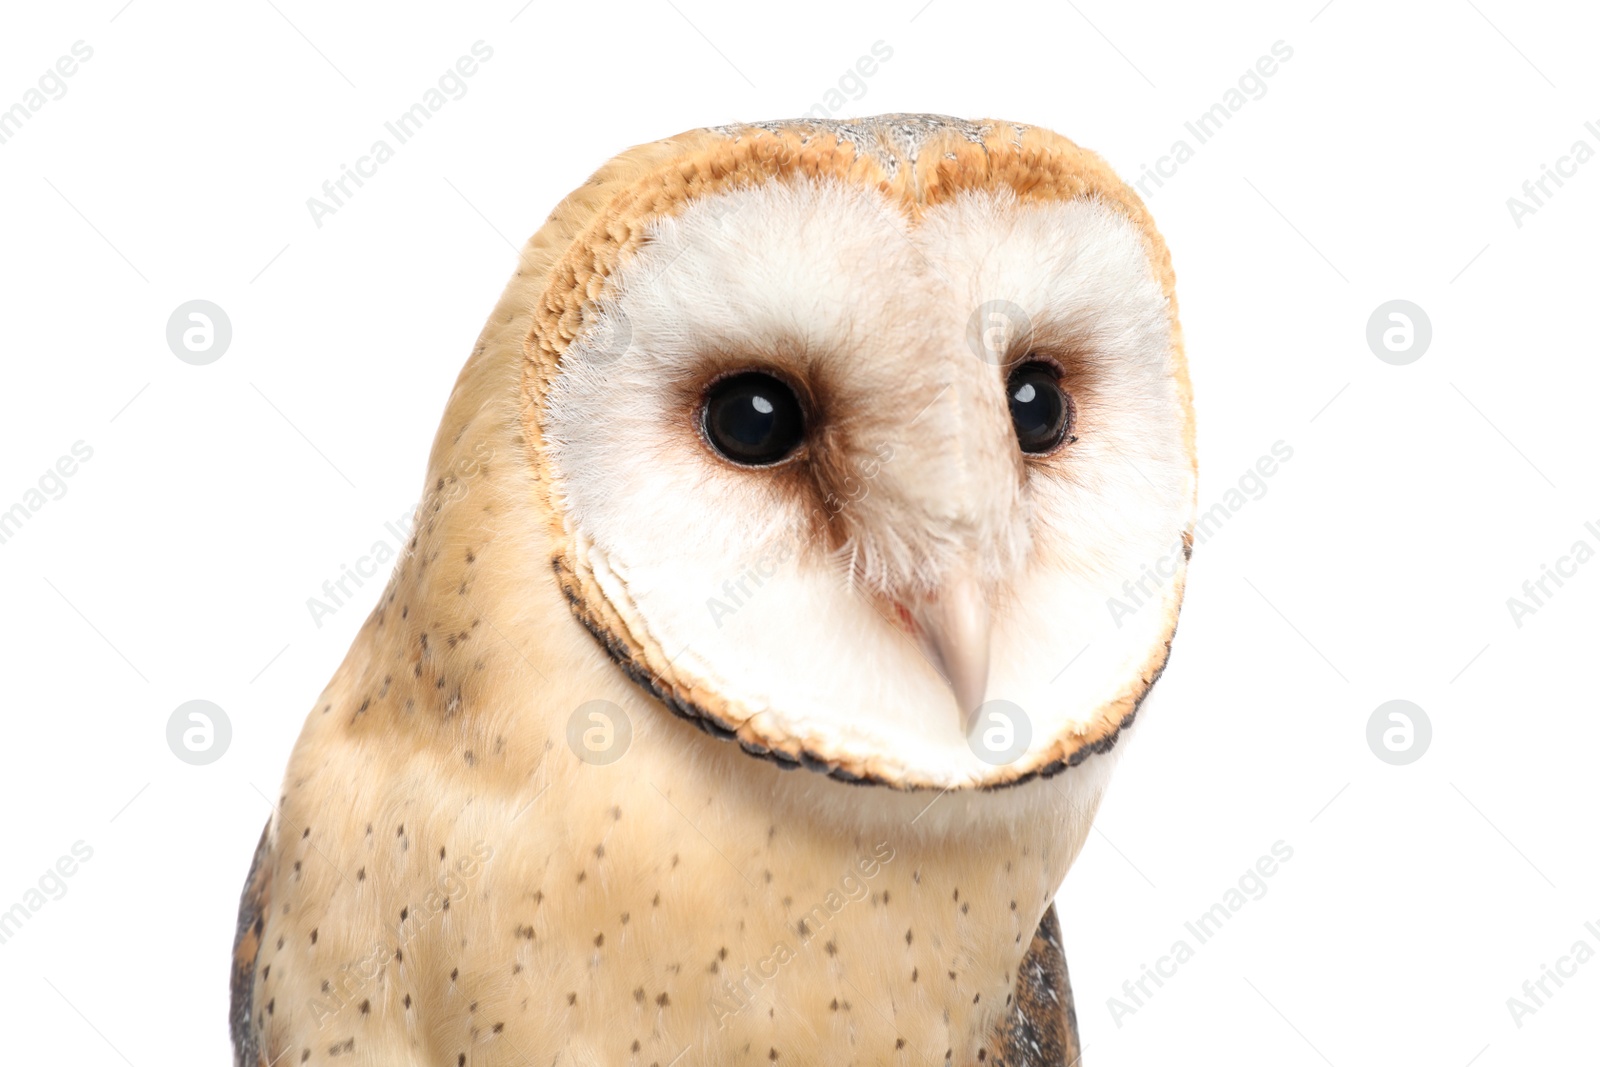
(1042, 1028)
(253, 903)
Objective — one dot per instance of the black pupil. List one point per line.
(753, 419)
(1039, 410)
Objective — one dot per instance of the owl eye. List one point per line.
(753, 419)
(1040, 411)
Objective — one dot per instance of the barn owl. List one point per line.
(748, 686)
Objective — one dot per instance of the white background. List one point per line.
(1377, 566)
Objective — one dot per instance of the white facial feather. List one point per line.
(719, 566)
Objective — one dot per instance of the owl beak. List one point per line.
(955, 634)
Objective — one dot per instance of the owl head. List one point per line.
(868, 446)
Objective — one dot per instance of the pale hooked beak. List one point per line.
(954, 629)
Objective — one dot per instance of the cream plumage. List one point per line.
(454, 876)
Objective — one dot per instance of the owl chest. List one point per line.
(643, 929)
(627, 914)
